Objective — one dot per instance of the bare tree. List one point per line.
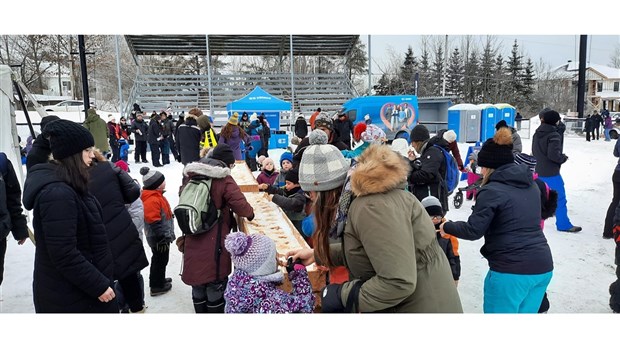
(614, 59)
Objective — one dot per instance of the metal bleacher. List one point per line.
(156, 92)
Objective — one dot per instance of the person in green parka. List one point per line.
(98, 128)
(387, 240)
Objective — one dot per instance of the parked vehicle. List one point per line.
(395, 114)
(68, 106)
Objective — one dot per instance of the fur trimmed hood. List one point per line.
(379, 169)
(210, 170)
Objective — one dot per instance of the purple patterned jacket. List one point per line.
(247, 294)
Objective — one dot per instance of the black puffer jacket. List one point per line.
(73, 263)
(39, 153)
(114, 188)
(143, 127)
(154, 131)
(507, 215)
(428, 172)
(547, 148)
(188, 141)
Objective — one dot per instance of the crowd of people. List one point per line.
(373, 214)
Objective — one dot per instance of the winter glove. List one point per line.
(251, 217)
(331, 302)
(250, 148)
(616, 232)
(294, 265)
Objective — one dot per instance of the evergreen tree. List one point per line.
(455, 72)
(499, 80)
(437, 71)
(425, 73)
(407, 72)
(472, 81)
(528, 82)
(383, 85)
(487, 62)
(514, 72)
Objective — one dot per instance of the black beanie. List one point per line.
(419, 133)
(497, 151)
(151, 179)
(501, 124)
(67, 138)
(292, 176)
(550, 117)
(224, 153)
(47, 119)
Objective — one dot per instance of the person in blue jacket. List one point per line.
(520, 261)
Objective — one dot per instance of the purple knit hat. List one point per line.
(254, 254)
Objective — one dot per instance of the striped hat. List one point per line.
(322, 167)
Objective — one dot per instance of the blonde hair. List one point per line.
(485, 177)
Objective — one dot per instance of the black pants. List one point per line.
(140, 151)
(116, 151)
(133, 291)
(209, 298)
(611, 211)
(159, 261)
(588, 135)
(155, 154)
(2, 254)
(595, 131)
(173, 149)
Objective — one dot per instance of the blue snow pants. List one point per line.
(562, 222)
(514, 293)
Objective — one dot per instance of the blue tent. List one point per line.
(260, 101)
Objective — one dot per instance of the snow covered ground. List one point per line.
(583, 261)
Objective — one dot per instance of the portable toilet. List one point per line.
(489, 118)
(464, 120)
(507, 113)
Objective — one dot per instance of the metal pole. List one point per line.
(209, 76)
(23, 102)
(369, 69)
(581, 84)
(82, 49)
(292, 84)
(118, 73)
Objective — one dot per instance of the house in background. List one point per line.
(602, 85)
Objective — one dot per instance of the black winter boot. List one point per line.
(200, 307)
(215, 307)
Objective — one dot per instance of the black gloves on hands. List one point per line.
(290, 264)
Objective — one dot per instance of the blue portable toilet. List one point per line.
(464, 120)
(489, 118)
(507, 113)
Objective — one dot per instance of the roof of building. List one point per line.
(604, 70)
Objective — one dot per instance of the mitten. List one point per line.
(331, 302)
(294, 265)
(616, 232)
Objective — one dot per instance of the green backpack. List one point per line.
(196, 212)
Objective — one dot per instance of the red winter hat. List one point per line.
(358, 130)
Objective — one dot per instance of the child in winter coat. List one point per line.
(159, 228)
(286, 164)
(124, 149)
(268, 174)
(449, 244)
(252, 288)
(290, 198)
(366, 134)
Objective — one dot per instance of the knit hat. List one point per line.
(419, 133)
(322, 166)
(253, 117)
(432, 206)
(449, 136)
(501, 124)
(260, 159)
(551, 117)
(254, 254)
(122, 165)
(400, 146)
(286, 156)
(47, 119)
(224, 153)
(358, 130)
(323, 120)
(292, 176)
(266, 161)
(497, 151)
(234, 119)
(523, 158)
(366, 117)
(373, 135)
(111, 118)
(151, 178)
(67, 138)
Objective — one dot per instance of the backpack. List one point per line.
(452, 170)
(196, 212)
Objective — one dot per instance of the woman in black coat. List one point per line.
(114, 188)
(73, 263)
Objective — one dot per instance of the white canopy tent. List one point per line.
(8, 129)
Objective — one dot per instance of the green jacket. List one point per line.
(98, 128)
(390, 243)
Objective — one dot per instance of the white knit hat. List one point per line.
(449, 136)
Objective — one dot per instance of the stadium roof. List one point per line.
(241, 45)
